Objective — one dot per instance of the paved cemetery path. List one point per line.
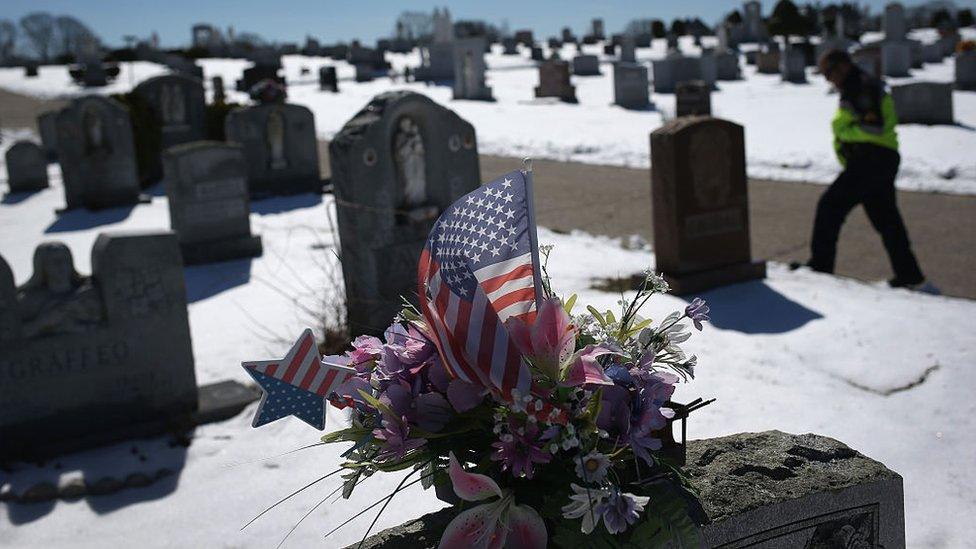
(616, 202)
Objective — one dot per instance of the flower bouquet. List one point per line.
(551, 424)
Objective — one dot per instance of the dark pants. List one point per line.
(869, 179)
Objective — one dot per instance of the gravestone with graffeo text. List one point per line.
(923, 103)
(701, 205)
(554, 81)
(84, 359)
(396, 166)
(97, 154)
(280, 148)
(209, 204)
(26, 167)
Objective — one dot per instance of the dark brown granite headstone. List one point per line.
(701, 205)
(554, 81)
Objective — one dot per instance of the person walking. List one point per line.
(867, 147)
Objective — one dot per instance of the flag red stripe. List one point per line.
(526, 294)
(493, 284)
(313, 371)
(296, 361)
(326, 387)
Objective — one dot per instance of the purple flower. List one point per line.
(364, 349)
(697, 311)
(395, 436)
(592, 467)
(620, 510)
(464, 396)
(520, 451)
(408, 344)
(615, 411)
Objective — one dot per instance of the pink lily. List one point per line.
(549, 341)
(582, 368)
(494, 525)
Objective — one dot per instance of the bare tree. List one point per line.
(72, 36)
(8, 39)
(39, 30)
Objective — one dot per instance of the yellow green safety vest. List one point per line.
(849, 128)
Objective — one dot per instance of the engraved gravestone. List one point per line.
(693, 98)
(965, 70)
(628, 49)
(895, 27)
(630, 86)
(923, 103)
(767, 59)
(209, 206)
(91, 356)
(469, 70)
(219, 94)
(727, 65)
(328, 81)
(793, 66)
(26, 167)
(178, 108)
(701, 204)
(280, 148)
(97, 154)
(47, 127)
(586, 65)
(537, 54)
(510, 46)
(669, 71)
(396, 166)
(554, 81)
(896, 58)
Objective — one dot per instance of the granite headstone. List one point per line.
(328, 81)
(396, 166)
(693, 98)
(554, 81)
(630, 86)
(280, 147)
(923, 103)
(965, 70)
(586, 65)
(26, 167)
(209, 205)
(701, 205)
(47, 127)
(469, 70)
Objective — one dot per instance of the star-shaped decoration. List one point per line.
(297, 385)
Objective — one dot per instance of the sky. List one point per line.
(342, 20)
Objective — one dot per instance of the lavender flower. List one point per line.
(592, 467)
(697, 311)
(519, 451)
(395, 436)
(620, 510)
(583, 504)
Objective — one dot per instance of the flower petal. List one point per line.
(584, 368)
(475, 528)
(526, 530)
(463, 395)
(471, 486)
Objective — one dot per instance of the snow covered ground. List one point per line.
(799, 352)
(786, 125)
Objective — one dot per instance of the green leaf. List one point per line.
(375, 403)
(667, 521)
(610, 318)
(596, 314)
(349, 434)
(568, 306)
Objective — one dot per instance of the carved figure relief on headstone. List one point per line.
(96, 153)
(469, 70)
(395, 166)
(280, 148)
(26, 167)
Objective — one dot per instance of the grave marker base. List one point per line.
(214, 251)
(690, 283)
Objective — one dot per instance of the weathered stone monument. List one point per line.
(469, 70)
(510, 46)
(178, 107)
(209, 205)
(726, 65)
(328, 81)
(97, 154)
(586, 65)
(793, 66)
(630, 86)
(47, 127)
(767, 59)
(26, 167)
(767, 490)
(396, 166)
(932, 53)
(437, 58)
(366, 72)
(554, 81)
(965, 70)
(83, 359)
(280, 148)
(266, 66)
(701, 205)
(868, 59)
(536, 54)
(693, 98)
(628, 49)
(923, 103)
(219, 94)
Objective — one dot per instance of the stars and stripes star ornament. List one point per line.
(297, 385)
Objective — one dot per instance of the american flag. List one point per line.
(298, 384)
(479, 268)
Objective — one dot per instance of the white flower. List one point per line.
(592, 467)
(582, 505)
